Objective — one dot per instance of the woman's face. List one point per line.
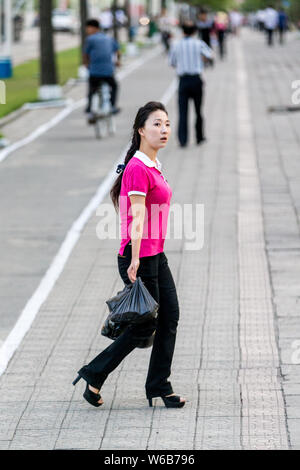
(156, 130)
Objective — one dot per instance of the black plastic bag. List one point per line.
(132, 306)
(144, 338)
(111, 329)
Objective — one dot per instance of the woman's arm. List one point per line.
(138, 217)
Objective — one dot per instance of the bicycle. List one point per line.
(101, 110)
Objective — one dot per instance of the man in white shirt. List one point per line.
(164, 24)
(260, 18)
(236, 20)
(106, 19)
(271, 23)
(186, 57)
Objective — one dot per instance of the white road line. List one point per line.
(72, 107)
(41, 129)
(33, 305)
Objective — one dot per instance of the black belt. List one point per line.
(189, 75)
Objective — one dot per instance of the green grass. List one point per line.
(23, 86)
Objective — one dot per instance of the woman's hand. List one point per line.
(132, 270)
(138, 216)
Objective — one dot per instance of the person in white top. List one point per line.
(106, 19)
(236, 19)
(164, 24)
(260, 18)
(271, 23)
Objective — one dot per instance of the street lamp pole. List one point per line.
(5, 60)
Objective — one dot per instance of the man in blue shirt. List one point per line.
(98, 57)
(282, 24)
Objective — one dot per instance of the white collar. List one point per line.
(147, 161)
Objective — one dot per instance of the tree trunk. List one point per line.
(128, 14)
(83, 19)
(148, 7)
(48, 74)
(114, 7)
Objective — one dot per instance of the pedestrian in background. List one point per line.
(164, 23)
(106, 20)
(142, 195)
(236, 21)
(282, 24)
(220, 27)
(271, 23)
(98, 56)
(186, 56)
(260, 20)
(153, 27)
(204, 26)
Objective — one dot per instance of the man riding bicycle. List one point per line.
(98, 56)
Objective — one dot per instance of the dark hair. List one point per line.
(139, 122)
(189, 29)
(94, 23)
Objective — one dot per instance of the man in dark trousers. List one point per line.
(204, 26)
(282, 24)
(186, 57)
(98, 57)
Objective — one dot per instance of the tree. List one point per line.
(128, 14)
(254, 5)
(294, 10)
(83, 19)
(48, 76)
(114, 8)
(213, 4)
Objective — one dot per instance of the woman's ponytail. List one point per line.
(115, 190)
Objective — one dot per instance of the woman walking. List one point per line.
(142, 188)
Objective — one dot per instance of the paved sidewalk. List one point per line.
(239, 295)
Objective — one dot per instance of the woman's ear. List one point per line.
(141, 131)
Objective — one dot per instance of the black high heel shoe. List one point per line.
(173, 401)
(91, 397)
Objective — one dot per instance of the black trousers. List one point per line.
(94, 84)
(156, 275)
(281, 35)
(190, 86)
(221, 43)
(270, 36)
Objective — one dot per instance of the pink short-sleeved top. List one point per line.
(143, 177)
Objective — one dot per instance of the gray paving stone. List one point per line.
(4, 445)
(222, 442)
(77, 439)
(34, 439)
(43, 415)
(291, 388)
